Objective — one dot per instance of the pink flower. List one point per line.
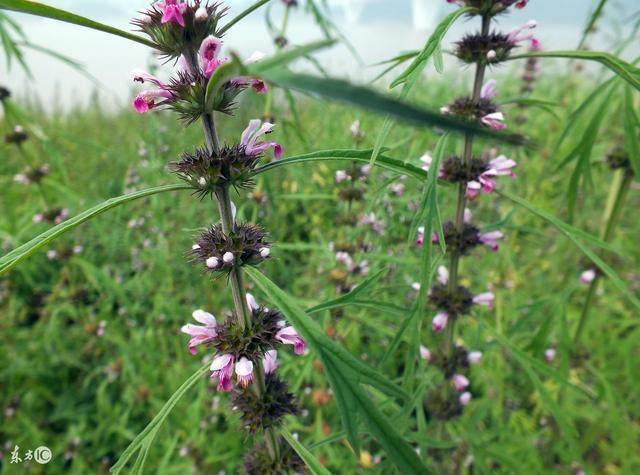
(443, 275)
(201, 334)
(420, 238)
(465, 398)
(494, 120)
(550, 355)
(491, 239)
(147, 100)
(172, 11)
(253, 132)
(485, 299)
(499, 166)
(222, 370)
(252, 303)
(344, 258)
(270, 361)
(425, 354)
(521, 4)
(289, 336)
(208, 55)
(474, 357)
(341, 176)
(520, 34)
(244, 372)
(439, 322)
(489, 90)
(460, 382)
(587, 276)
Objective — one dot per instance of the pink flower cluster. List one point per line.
(224, 366)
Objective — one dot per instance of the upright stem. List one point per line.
(236, 279)
(620, 188)
(454, 262)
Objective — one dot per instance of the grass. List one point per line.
(86, 396)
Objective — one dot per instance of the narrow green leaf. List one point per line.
(287, 56)
(316, 338)
(626, 71)
(42, 10)
(369, 99)
(241, 15)
(597, 12)
(10, 260)
(351, 296)
(432, 46)
(315, 467)
(153, 426)
(630, 120)
(576, 236)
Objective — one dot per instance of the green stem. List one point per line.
(236, 279)
(619, 189)
(454, 262)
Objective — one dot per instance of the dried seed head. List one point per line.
(17, 137)
(443, 403)
(266, 410)
(461, 242)
(220, 253)
(484, 49)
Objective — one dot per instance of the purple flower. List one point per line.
(147, 100)
(244, 372)
(270, 361)
(474, 357)
(550, 355)
(341, 176)
(439, 322)
(485, 299)
(460, 382)
(491, 239)
(252, 303)
(489, 90)
(209, 55)
(499, 166)
(201, 334)
(520, 34)
(465, 398)
(494, 120)
(222, 370)
(172, 11)
(587, 276)
(289, 336)
(251, 135)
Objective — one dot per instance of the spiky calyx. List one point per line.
(189, 91)
(461, 242)
(4, 93)
(265, 410)
(484, 49)
(618, 158)
(17, 137)
(230, 166)
(173, 40)
(258, 461)
(491, 7)
(442, 403)
(252, 341)
(455, 303)
(456, 170)
(469, 109)
(455, 363)
(245, 245)
(351, 193)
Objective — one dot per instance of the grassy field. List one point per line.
(90, 347)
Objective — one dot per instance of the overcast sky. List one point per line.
(384, 28)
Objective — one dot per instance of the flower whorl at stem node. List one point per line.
(240, 348)
(4, 93)
(265, 410)
(259, 460)
(246, 245)
(490, 7)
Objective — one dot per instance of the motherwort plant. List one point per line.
(245, 344)
(473, 174)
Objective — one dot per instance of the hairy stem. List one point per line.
(454, 262)
(619, 189)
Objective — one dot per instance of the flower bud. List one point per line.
(212, 262)
(227, 258)
(202, 14)
(474, 357)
